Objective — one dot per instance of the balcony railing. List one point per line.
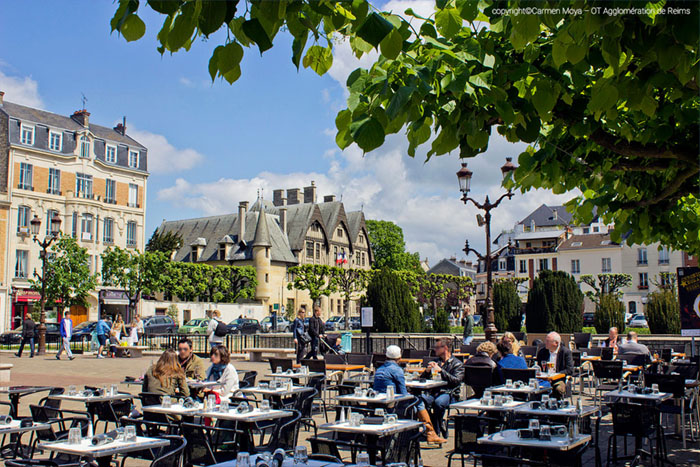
(532, 251)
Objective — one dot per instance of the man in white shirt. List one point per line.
(66, 334)
(560, 356)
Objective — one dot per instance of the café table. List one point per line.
(175, 409)
(411, 361)
(195, 384)
(255, 415)
(510, 438)
(92, 401)
(373, 433)
(103, 454)
(344, 367)
(288, 462)
(522, 390)
(627, 395)
(475, 405)
(570, 411)
(360, 379)
(14, 428)
(275, 395)
(296, 375)
(14, 393)
(426, 385)
(379, 399)
(133, 382)
(551, 378)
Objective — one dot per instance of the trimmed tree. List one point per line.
(441, 324)
(350, 283)
(663, 310)
(395, 310)
(554, 303)
(314, 278)
(607, 297)
(507, 306)
(610, 312)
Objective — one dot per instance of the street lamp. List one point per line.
(464, 175)
(53, 234)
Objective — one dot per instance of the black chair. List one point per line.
(207, 445)
(403, 447)
(284, 435)
(687, 370)
(378, 360)
(594, 351)
(35, 462)
(304, 405)
(666, 355)
(518, 374)
(59, 424)
(284, 363)
(325, 458)
(607, 353)
(355, 359)
(497, 460)
(167, 456)
(674, 384)
(608, 374)
(633, 359)
(469, 428)
(520, 336)
(49, 400)
(637, 421)
(325, 446)
(171, 455)
(470, 349)
(478, 378)
(582, 340)
(530, 350)
(418, 353)
(333, 359)
(320, 383)
(247, 379)
(109, 411)
(427, 360)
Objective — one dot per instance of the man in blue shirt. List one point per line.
(102, 330)
(390, 373)
(66, 333)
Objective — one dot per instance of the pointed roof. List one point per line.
(262, 232)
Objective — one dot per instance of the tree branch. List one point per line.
(665, 193)
(634, 149)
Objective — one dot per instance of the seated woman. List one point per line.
(166, 377)
(508, 359)
(222, 371)
(516, 345)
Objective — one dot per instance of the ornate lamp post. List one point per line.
(54, 230)
(464, 176)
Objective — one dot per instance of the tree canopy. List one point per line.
(136, 273)
(389, 247)
(608, 102)
(165, 242)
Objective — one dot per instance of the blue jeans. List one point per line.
(313, 352)
(439, 405)
(26, 340)
(467, 340)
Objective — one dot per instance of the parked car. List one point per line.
(333, 323)
(15, 336)
(638, 321)
(159, 324)
(244, 326)
(355, 322)
(477, 320)
(283, 324)
(589, 319)
(83, 331)
(195, 326)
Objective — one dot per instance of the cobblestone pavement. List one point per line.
(87, 370)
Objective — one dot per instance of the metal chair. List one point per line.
(171, 455)
(355, 359)
(333, 359)
(608, 374)
(518, 374)
(248, 379)
(478, 378)
(284, 363)
(470, 349)
(582, 340)
(284, 435)
(636, 420)
(468, 428)
(675, 384)
(207, 445)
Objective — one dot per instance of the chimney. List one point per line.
(293, 196)
(310, 193)
(242, 210)
(329, 198)
(82, 117)
(2, 94)
(121, 127)
(283, 215)
(277, 196)
(555, 216)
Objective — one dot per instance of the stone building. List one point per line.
(93, 177)
(273, 236)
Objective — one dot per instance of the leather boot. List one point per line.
(429, 430)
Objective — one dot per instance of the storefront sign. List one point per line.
(689, 300)
(114, 297)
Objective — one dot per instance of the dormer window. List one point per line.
(55, 141)
(111, 154)
(134, 159)
(222, 252)
(194, 254)
(26, 135)
(85, 147)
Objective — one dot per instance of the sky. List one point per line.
(211, 145)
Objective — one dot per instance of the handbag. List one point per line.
(221, 329)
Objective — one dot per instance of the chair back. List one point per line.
(634, 359)
(403, 447)
(529, 350)
(468, 428)
(675, 384)
(333, 359)
(406, 408)
(520, 336)
(304, 402)
(478, 377)
(607, 369)
(576, 355)
(378, 360)
(594, 351)
(518, 374)
(285, 434)
(687, 370)
(666, 355)
(470, 349)
(315, 366)
(248, 379)
(208, 445)
(582, 340)
(637, 420)
(285, 363)
(324, 446)
(418, 353)
(359, 359)
(48, 401)
(427, 360)
(170, 455)
(606, 353)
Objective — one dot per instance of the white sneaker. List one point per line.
(100, 356)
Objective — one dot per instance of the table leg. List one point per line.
(14, 399)
(105, 461)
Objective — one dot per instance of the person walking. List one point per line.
(301, 337)
(118, 328)
(468, 335)
(316, 326)
(102, 330)
(216, 330)
(28, 333)
(66, 333)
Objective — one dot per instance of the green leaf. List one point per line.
(544, 98)
(236, 26)
(211, 17)
(214, 62)
(343, 119)
(183, 28)
(481, 80)
(558, 52)
(368, 133)
(229, 58)
(298, 49)
(526, 28)
(232, 75)
(254, 30)
(397, 102)
(602, 97)
(448, 22)
(166, 7)
(478, 140)
(648, 106)
(468, 9)
(575, 53)
(392, 44)
(133, 28)
(374, 29)
(319, 59)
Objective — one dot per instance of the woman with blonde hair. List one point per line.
(118, 328)
(214, 338)
(511, 337)
(166, 376)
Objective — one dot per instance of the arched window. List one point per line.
(632, 307)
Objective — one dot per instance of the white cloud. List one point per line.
(423, 198)
(163, 157)
(186, 82)
(20, 90)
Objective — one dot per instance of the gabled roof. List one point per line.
(57, 121)
(539, 235)
(544, 216)
(588, 242)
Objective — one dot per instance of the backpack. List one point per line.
(221, 329)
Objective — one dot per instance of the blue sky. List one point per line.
(211, 145)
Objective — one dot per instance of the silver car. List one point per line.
(283, 324)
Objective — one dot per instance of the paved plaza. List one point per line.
(87, 370)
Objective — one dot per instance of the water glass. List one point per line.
(532, 382)
(105, 390)
(655, 388)
(545, 432)
(584, 354)
(243, 460)
(72, 390)
(390, 392)
(534, 424)
(392, 418)
(114, 390)
(509, 399)
(265, 405)
(545, 399)
(363, 459)
(278, 370)
(379, 412)
(290, 386)
(509, 383)
(166, 402)
(488, 394)
(74, 436)
(211, 401)
(223, 407)
(485, 401)
(130, 433)
(358, 392)
(264, 385)
(301, 456)
(265, 457)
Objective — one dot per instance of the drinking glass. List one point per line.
(363, 459)
(74, 436)
(301, 456)
(545, 399)
(278, 370)
(166, 402)
(390, 392)
(265, 405)
(223, 407)
(533, 383)
(584, 355)
(509, 383)
(655, 388)
(545, 432)
(72, 390)
(105, 390)
(509, 399)
(534, 424)
(130, 433)
(358, 392)
(379, 412)
(243, 459)
(392, 418)
(114, 390)
(487, 394)
(265, 457)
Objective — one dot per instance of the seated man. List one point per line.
(450, 369)
(612, 339)
(390, 373)
(192, 364)
(632, 347)
(484, 355)
(560, 356)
